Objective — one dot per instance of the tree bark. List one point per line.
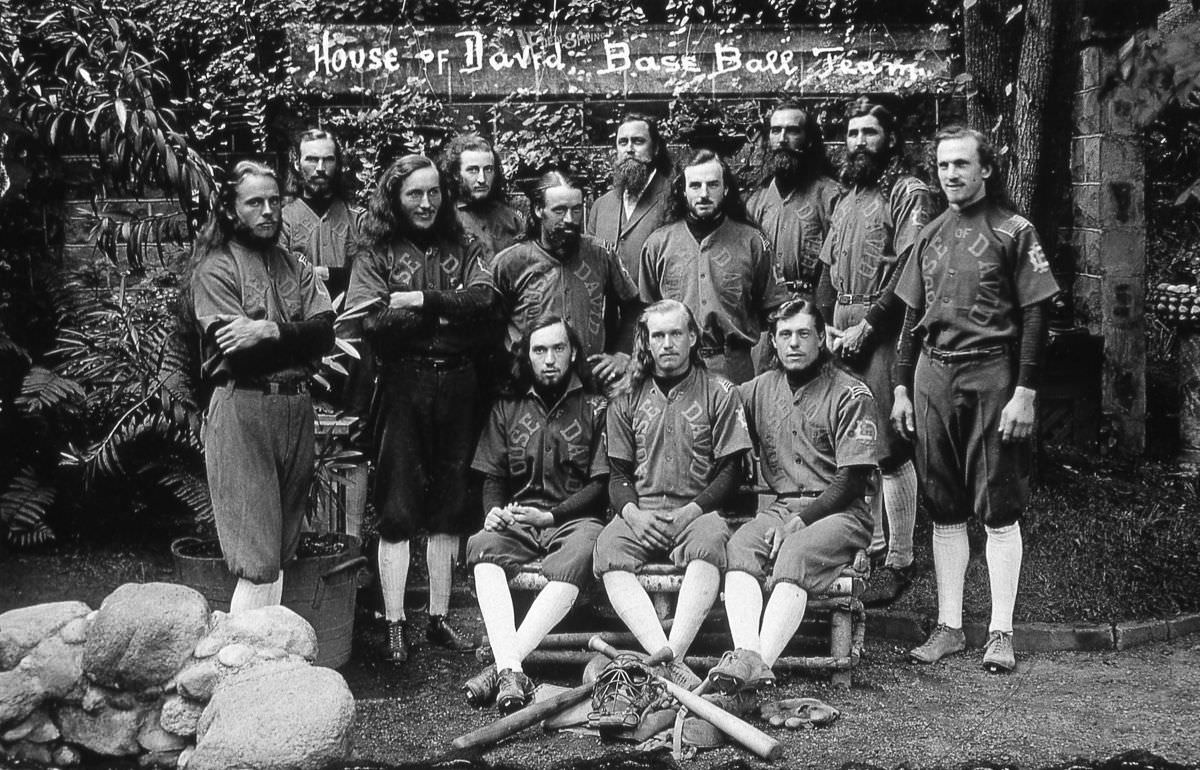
(990, 56)
(1043, 19)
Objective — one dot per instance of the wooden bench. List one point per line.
(841, 605)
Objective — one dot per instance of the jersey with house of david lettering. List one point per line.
(970, 274)
(533, 282)
(796, 225)
(676, 440)
(806, 436)
(868, 233)
(544, 453)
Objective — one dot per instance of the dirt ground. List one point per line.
(1055, 708)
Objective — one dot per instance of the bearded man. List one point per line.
(715, 262)
(264, 321)
(797, 192)
(558, 270)
(870, 239)
(478, 192)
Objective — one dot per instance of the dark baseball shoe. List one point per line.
(942, 642)
(443, 635)
(886, 585)
(481, 688)
(513, 691)
(399, 640)
(678, 672)
(741, 669)
(998, 656)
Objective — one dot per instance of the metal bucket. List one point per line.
(320, 589)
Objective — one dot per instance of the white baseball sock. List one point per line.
(1004, 551)
(900, 502)
(393, 577)
(552, 604)
(251, 596)
(440, 552)
(878, 546)
(697, 592)
(496, 607)
(951, 553)
(785, 610)
(743, 607)
(633, 606)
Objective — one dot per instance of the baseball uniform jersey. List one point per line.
(796, 226)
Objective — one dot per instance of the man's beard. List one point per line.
(785, 165)
(249, 237)
(318, 192)
(563, 240)
(468, 196)
(631, 175)
(863, 168)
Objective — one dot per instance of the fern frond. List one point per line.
(23, 509)
(44, 390)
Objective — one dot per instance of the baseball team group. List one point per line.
(591, 387)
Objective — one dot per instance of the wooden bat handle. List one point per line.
(598, 644)
(526, 717)
(735, 727)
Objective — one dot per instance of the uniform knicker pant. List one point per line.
(735, 364)
(877, 368)
(811, 558)
(618, 550)
(565, 550)
(963, 465)
(426, 425)
(258, 450)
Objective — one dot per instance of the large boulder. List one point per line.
(272, 719)
(143, 633)
(22, 629)
(265, 628)
(57, 666)
(180, 715)
(19, 695)
(106, 730)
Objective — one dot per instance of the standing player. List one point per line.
(795, 201)
(715, 262)
(545, 489)
(264, 320)
(479, 195)
(976, 291)
(320, 224)
(871, 236)
(432, 294)
(675, 445)
(558, 270)
(638, 202)
(815, 429)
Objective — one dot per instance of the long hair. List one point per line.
(815, 158)
(522, 371)
(732, 206)
(643, 359)
(537, 198)
(994, 186)
(451, 166)
(384, 220)
(218, 229)
(898, 163)
(786, 311)
(295, 182)
(661, 161)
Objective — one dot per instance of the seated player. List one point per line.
(675, 444)
(814, 425)
(545, 473)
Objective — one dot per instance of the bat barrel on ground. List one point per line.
(736, 728)
(526, 717)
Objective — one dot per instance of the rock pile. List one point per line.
(154, 675)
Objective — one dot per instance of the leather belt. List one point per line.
(966, 354)
(858, 299)
(441, 363)
(272, 387)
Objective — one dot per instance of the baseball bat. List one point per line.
(735, 727)
(526, 717)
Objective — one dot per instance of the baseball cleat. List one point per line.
(443, 634)
(398, 641)
(741, 669)
(513, 691)
(998, 656)
(942, 642)
(886, 586)
(481, 688)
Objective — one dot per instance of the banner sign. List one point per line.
(658, 60)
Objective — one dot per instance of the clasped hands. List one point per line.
(658, 529)
(499, 519)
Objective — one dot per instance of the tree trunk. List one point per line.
(990, 56)
(1034, 73)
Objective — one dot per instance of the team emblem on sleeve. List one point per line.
(864, 430)
(1037, 259)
